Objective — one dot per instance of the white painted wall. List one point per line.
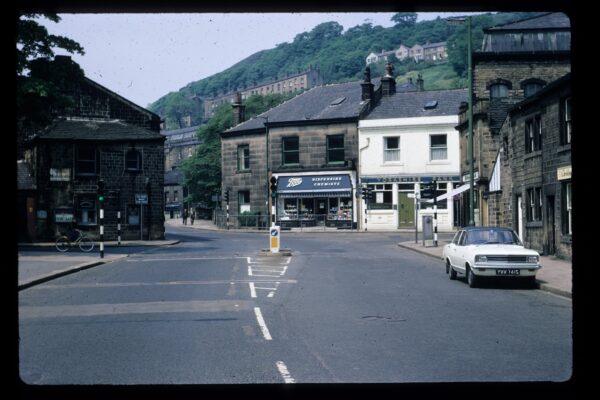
(414, 160)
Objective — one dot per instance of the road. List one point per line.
(345, 308)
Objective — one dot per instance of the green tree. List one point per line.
(405, 19)
(202, 171)
(43, 84)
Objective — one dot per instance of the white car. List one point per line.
(479, 252)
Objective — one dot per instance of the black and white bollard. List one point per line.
(101, 232)
(118, 228)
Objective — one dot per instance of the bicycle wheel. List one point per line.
(86, 244)
(62, 244)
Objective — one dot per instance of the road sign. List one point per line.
(141, 198)
(274, 238)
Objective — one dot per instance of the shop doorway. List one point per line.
(406, 210)
(551, 227)
(320, 211)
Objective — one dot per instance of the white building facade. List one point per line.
(405, 144)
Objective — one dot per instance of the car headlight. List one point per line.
(533, 259)
(480, 258)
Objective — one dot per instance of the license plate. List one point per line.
(508, 272)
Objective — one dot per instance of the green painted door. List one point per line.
(406, 211)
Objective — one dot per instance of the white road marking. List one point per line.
(252, 289)
(285, 374)
(262, 324)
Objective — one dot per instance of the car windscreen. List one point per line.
(492, 236)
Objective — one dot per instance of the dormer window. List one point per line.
(532, 86)
(499, 88)
(133, 160)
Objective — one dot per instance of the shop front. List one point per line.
(316, 200)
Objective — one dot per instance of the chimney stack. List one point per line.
(388, 82)
(420, 83)
(238, 109)
(367, 86)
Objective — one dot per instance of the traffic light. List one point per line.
(273, 187)
(363, 191)
(227, 196)
(100, 190)
(369, 193)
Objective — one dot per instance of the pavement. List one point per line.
(46, 263)
(555, 276)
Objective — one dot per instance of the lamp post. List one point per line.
(267, 202)
(457, 21)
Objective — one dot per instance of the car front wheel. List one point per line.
(451, 271)
(472, 279)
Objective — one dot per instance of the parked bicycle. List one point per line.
(64, 243)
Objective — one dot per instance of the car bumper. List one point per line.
(508, 271)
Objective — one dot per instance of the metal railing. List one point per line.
(311, 222)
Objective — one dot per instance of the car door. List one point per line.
(452, 247)
(459, 254)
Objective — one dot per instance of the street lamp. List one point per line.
(267, 202)
(458, 21)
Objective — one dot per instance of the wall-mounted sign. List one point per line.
(63, 215)
(563, 173)
(60, 174)
(141, 198)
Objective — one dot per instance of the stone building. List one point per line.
(310, 145)
(293, 83)
(516, 60)
(103, 138)
(180, 144)
(531, 185)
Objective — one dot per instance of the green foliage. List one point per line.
(202, 171)
(339, 55)
(43, 84)
(34, 41)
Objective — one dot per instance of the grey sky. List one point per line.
(142, 57)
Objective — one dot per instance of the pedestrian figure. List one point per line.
(185, 216)
(192, 216)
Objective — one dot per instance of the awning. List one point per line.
(314, 186)
(453, 192)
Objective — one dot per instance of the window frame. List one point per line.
(387, 150)
(437, 147)
(138, 156)
(243, 159)
(331, 149)
(285, 153)
(566, 120)
(79, 161)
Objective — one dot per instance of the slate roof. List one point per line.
(412, 104)
(313, 105)
(173, 177)
(555, 20)
(86, 129)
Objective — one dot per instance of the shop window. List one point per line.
(335, 149)
(290, 210)
(566, 216)
(382, 197)
(391, 149)
(243, 157)
(86, 210)
(85, 160)
(133, 160)
(291, 150)
(133, 214)
(438, 147)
